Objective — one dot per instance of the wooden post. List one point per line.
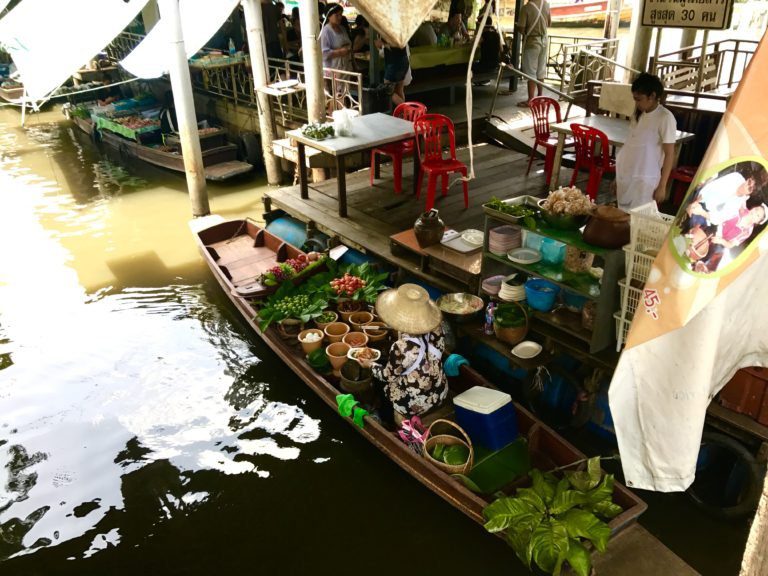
(254, 26)
(755, 560)
(185, 109)
(639, 41)
(688, 38)
(702, 62)
(656, 49)
(313, 61)
(611, 28)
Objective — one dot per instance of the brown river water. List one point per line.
(144, 429)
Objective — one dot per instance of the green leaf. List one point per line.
(607, 509)
(468, 483)
(529, 222)
(543, 485)
(529, 495)
(564, 501)
(603, 491)
(583, 524)
(579, 559)
(586, 479)
(549, 545)
(504, 512)
(455, 455)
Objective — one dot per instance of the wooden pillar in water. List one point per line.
(313, 61)
(639, 41)
(611, 28)
(184, 103)
(254, 26)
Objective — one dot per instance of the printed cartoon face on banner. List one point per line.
(722, 216)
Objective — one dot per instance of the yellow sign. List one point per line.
(700, 14)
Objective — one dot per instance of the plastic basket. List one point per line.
(648, 227)
(637, 264)
(630, 297)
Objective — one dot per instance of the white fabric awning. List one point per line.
(200, 19)
(51, 39)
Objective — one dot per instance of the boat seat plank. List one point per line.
(225, 170)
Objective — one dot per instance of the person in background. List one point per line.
(490, 43)
(455, 29)
(361, 35)
(293, 35)
(413, 376)
(270, 17)
(534, 20)
(424, 36)
(396, 66)
(334, 41)
(644, 162)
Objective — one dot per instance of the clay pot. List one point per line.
(337, 354)
(355, 339)
(608, 227)
(310, 346)
(289, 328)
(322, 325)
(428, 228)
(360, 319)
(335, 331)
(348, 307)
(373, 334)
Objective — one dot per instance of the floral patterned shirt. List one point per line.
(414, 389)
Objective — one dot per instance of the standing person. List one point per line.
(334, 41)
(534, 20)
(413, 376)
(270, 17)
(645, 161)
(396, 66)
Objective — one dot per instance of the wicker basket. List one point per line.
(449, 440)
(513, 335)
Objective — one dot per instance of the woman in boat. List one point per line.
(413, 375)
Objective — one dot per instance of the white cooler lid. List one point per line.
(481, 399)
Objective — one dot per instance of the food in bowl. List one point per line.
(363, 354)
(312, 337)
(568, 200)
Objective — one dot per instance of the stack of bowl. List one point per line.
(512, 289)
(502, 239)
(492, 285)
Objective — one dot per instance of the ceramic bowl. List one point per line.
(353, 352)
(313, 345)
(355, 339)
(527, 349)
(335, 331)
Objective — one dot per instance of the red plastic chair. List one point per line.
(587, 140)
(540, 109)
(407, 111)
(681, 177)
(431, 128)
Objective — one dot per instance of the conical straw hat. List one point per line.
(408, 309)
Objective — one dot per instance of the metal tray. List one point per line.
(525, 200)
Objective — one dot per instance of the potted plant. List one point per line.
(510, 322)
(549, 523)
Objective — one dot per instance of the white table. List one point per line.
(368, 132)
(616, 129)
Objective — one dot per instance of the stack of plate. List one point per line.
(492, 285)
(512, 289)
(503, 239)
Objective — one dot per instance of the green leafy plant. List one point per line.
(291, 302)
(549, 522)
(524, 212)
(508, 315)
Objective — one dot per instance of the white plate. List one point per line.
(471, 236)
(352, 351)
(527, 349)
(524, 256)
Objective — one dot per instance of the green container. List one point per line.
(494, 470)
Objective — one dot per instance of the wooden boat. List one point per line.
(571, 13)
(541, 438)
(13, 95)
(219, 158)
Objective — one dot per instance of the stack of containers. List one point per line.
(487, 416)
(648, 230)
(502, 239)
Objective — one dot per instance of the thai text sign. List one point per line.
(704, 14)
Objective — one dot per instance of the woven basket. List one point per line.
(513, 335)
(449, 440)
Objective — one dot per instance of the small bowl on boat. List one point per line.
(355, 339)
(337, 354)
(326, 318)
(348, 307)
(376, 331)
(359, 319)
(335, 331)
(311, 339)
(357, 353)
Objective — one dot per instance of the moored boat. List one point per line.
(540, 438)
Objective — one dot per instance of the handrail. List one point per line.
(614, 62)
(536, 81)
(683, 52)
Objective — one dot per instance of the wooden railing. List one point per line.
(573, 61)
(724, 64)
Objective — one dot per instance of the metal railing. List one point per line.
(122, 45)
(573, 61)
(724, 64)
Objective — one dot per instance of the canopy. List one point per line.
(50, 39)
(395, 20)
(200, 19)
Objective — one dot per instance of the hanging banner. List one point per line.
(395, 20)
(49, 40)
(702, 314)
(699, 14)
(200, 19)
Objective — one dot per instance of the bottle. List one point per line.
(231, 47)
(488, 326)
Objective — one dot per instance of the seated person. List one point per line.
(455, 29)
(413, 375)
(424, 36)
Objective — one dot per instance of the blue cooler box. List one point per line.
(487, 415)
